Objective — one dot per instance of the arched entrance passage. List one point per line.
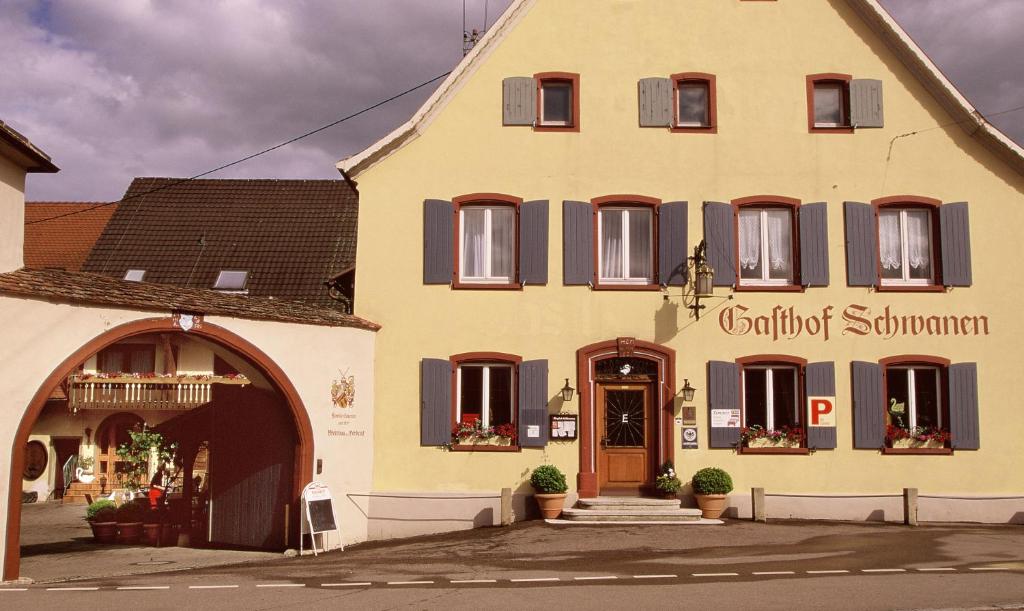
(661, 394)
(110, 434)
(304, 431)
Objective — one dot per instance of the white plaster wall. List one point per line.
(193, 358)
(12, 216)
(39, 335)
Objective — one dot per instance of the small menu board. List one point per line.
(318, 513)
(564, 427)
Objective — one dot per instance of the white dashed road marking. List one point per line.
(833, 572)
(989, 568)
(72, 589)
(13, 589)
(534, 579)
(280, 585)
(883, 570)
(943, 568)
(409, 583)
(210, 587)
(144, 587)
(655, 576)
(347, 584)
(774, 573)
(602, 578)
(716, 574)
(460, 581)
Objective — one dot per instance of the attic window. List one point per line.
(231, 281)
(135, 275)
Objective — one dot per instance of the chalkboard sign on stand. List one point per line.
(318, 515)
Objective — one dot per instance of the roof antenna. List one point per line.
(469, 39)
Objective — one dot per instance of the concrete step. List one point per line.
(626, 503)
(576, 514)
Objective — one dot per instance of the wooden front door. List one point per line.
(112, 432)
(65, 448)
(626, 443)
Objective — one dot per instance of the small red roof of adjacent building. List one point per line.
(59, 235)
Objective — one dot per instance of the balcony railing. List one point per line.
(88, 391)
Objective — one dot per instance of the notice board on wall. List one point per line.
(318, 513)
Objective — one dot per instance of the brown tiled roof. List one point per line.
(22, 152)
(95, 289)
(290, 235)
(65, 241)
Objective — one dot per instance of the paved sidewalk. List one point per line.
(57, 545)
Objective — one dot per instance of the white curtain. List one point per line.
(640, 244)
(779, 240)
(611, 243)
(750, 238)
(502, 242)
(473, 242)
(918, 247)
(890, 251)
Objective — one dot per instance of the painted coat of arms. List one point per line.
(343, 391)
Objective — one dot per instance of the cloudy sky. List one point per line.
(114, 89)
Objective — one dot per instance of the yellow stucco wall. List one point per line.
(761, 53)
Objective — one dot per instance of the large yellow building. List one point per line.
(533, 227)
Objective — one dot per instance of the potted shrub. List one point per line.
(667, 484)
(129, 522)
(152, 525)
(102, 518)
(711, 486)
(550, 486)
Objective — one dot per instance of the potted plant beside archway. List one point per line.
(550, 486)
(129, 522)
(102, 518)
(711, 486)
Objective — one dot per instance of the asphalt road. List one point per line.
(783, 565)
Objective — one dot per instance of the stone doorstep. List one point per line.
(637, 522)
(618, 515)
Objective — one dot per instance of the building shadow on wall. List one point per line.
(666, 322)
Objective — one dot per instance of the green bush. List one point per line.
(101, 511)
(130, 512)
(548, 479)
(711, 480)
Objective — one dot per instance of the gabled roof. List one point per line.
(877, 18)
(291, 236)
(93, 289)
(19, 150)
(59, 235)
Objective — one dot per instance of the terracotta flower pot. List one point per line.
(151, 533)
(170, 535)
(104, 532)
(550, 504)
(129, 532)
(712, 505)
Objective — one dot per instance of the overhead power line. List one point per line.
(248, 157)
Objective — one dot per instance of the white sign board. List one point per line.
(725, 418)
(821, 411)
(317, 514)
(533, 430)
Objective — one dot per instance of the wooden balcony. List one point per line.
(129, 392)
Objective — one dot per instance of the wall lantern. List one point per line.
(688, 390)
(567, 391)
(703, 280)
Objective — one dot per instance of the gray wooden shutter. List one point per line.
(720, 238)
(723, 393)
(820, 381)
(533, 242)
(519, 100)
(955, 236)
(438, 257)
(672, 244)
(868, 406)
(866, 103)
(655, 102)
(577, 243)
(533, 402)
(435, 402)
(814, 244)
(963, 406)
(861, 245)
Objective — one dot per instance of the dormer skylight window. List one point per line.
(135, 275)
(231, 281)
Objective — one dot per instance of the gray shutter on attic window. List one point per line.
(438, 258)
(866, 103)
(655, 102)
(533, 403)
(672, 244)
(820, 381)
(720, 239)
(814, 244)
(533, 242)
(868, 406)
(435, 402)
(723, 393)
(861, 244)
(963, 406)
(577, 243)
(519, 100)
(955, 244)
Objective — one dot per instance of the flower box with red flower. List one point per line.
(471, 432)
(756, 436)
(916, 437)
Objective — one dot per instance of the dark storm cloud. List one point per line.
(115, 89)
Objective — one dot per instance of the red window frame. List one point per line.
(911, 202)
(558, 77)
(823, 78)
(484, 199)
(942, 364)
(709, 82)
(470, 358)
(787, 361)
(769, 201)
(626, 201)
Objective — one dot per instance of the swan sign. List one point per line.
(822, 411)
